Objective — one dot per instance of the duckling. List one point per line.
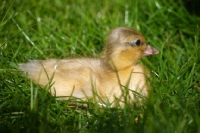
(107, 77)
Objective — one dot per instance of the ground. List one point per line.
(66, 28)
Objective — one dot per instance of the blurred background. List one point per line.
(45, 29)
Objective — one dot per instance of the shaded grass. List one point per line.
(61, 29)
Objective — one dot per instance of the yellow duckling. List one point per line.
(106, 77)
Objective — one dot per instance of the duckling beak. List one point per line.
(150, 51)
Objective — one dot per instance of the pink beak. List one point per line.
(150, 51)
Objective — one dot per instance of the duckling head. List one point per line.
(125, 46)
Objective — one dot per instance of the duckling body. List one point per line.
(107, 77)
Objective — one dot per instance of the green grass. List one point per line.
(66, 28)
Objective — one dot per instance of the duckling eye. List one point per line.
(138, 42)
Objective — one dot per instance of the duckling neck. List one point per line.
(116, 65)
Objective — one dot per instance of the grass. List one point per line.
(66, 28)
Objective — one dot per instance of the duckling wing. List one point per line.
(66, 76)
